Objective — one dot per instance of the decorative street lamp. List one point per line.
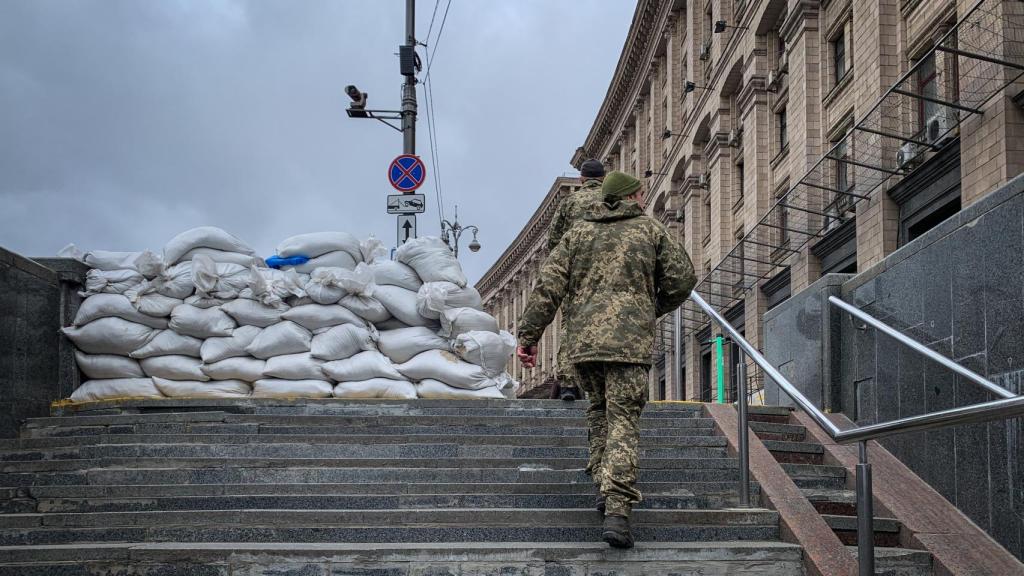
(451, 233)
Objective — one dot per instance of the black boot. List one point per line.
(616, 532)
(599, 503)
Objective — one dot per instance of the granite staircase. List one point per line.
(317, 488)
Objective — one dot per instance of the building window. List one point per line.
(707, 215)
(842, 174)
(781, 120)
(839, 56)
(927, 86)
(740, 181)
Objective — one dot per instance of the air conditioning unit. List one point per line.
(703, 181)
(734, 138)
(783, 62)
(940, 125)
(908, 156)
(705, 51)
(773, 80)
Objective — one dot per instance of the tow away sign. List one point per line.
(406, 203)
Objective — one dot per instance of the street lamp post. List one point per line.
(452, 232)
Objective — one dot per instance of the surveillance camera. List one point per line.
(358, 107)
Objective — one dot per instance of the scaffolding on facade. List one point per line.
(973, 62)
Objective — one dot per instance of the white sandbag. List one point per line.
(174, 368)
(376, 388)
(363, 366)
(448, 368)
(238, 368)
(295, 301)
(391, 273)
(169, 342)
(200, 301)
(218, 280)
(108, 389)
(224, 257)
(435, 389)
(280, 339)
(403, 344)
(110, 335)
(175, 281)
(366, 307)
(201, 322)
(217, 349)
(154, 304)
(252, 313)
(273, 388)
(455, 321)
(392, 324)
(401, 303)
(203, 237)
(107, 260)
(508, 386)
(432, 260)
(436, 297)
(319, 243)
(345, 341)
(488, 350)
(372, 250)
(111, 281)
(324, 285)
(117, 306)
(271, 287)
(99, 366)
(202, 389)
(316, 316)
(336, 259)
(299, 366)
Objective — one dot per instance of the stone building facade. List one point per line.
(505, 287)
(724, 106)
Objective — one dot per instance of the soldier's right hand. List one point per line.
(527, 355)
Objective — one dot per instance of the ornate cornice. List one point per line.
(629, 74)
(529, 243)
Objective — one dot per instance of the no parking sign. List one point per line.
(407, 173)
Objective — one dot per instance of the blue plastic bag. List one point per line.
(277, 261)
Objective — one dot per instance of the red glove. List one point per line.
(527, 355)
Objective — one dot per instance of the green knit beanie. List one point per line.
(617, 185)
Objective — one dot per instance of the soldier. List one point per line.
(569, 211)
(614, 272)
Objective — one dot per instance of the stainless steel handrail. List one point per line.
(1008, 406)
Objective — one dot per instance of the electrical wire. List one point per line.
(428, 97)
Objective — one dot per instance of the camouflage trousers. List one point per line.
(617, 393)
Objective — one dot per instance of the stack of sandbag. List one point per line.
(209, 320)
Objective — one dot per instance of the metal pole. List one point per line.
(677, 352)
(409, 88)
(865, 516)
(744, 432)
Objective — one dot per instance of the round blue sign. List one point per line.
(407, 173)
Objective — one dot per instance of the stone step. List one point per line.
(900, 562)
(817, 476)
(778, 414)
(839, 502)
(336, 420)
(368, 501)
(776, 431)
(282, 450)
(363, 526)
(427, 462)
(796, 452)
(402, 559)
(887, 530)
(327, 405)
(681, 489)
(687, 427)
(223, 472)
(322, 439)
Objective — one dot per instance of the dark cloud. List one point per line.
(123, 123)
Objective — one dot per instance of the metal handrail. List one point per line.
(1008, 406)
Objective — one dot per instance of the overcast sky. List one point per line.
(124, 122)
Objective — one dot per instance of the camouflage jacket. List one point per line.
(571, 209)
(614, 273)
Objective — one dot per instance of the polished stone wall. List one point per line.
(36, 363)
